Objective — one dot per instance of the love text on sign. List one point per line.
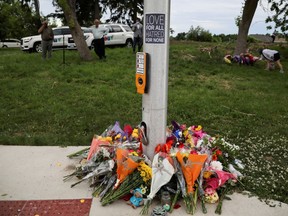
(155, 28)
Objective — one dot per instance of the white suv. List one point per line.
(10, 42)
(62, 39)
(119, 34)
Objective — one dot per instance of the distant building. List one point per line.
(267, 38)
(262, 38)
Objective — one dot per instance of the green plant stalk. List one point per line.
(131, 182)
(145, 209)
(174, 201)
(98, 190)
(76, 154)
(219, 206)
(111, 197)
(204, 209)
(188, 200)
(195, 197)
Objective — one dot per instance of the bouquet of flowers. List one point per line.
(126, 164)
(138, 178)
(191, 167)
(198, 165)
(162, 172)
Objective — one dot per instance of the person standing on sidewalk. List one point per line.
(271, 57)
(99, 44)
(47, 37)
(137, 28)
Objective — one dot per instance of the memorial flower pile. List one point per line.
(191, 164)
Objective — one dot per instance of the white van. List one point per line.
(119, 34)
(62, 40)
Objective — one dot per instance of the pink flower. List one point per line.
(212, 183)
(216, 182)
(224, 176)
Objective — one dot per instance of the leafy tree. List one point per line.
(20, 20)
(199, 34)
(119, 9)
(280, 9)
(181, 36)
(88, 10)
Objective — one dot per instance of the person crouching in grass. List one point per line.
(271, 57)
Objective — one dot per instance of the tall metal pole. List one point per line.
(156, 45)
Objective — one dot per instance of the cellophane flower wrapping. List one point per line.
(125, 165)
(191, 167)
(162, 172)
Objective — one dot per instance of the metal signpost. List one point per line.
(156, 45)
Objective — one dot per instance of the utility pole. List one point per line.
(156, 45)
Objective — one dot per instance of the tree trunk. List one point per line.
(97, 14)
(37, 8)
(68, 7)
(244, 25)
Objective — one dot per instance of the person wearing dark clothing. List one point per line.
(137, 28)
(47, 37)
(273, 37)
(99, 44)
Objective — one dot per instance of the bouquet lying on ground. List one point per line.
(162, 172)
(205, 167)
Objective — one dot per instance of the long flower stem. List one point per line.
(219, 206)
(204, 210)
(130, 183)
(146, 207)
(76, 154)
(174, 201)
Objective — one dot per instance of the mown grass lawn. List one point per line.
(51, 103)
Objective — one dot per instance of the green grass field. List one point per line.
(51, 103)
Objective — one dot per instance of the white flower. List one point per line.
(216, 165)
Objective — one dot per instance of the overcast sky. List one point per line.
(215, 16)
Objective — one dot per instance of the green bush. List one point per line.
(199, 34)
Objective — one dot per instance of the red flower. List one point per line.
(218, 152)
(214, 157)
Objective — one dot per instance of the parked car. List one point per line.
(119, 34)
(62, 40)
(10, 43)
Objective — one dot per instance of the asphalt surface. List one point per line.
(36, 173)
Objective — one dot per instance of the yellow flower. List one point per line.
(185, 133)
(207, 174)
(143, 189)
(118, 136)
(134, 153)
(145, 171)
(135, 133)
(108, 139)
(199, 127)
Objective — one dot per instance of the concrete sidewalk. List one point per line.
(36, 173)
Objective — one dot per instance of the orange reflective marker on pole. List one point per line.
(141, 72)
